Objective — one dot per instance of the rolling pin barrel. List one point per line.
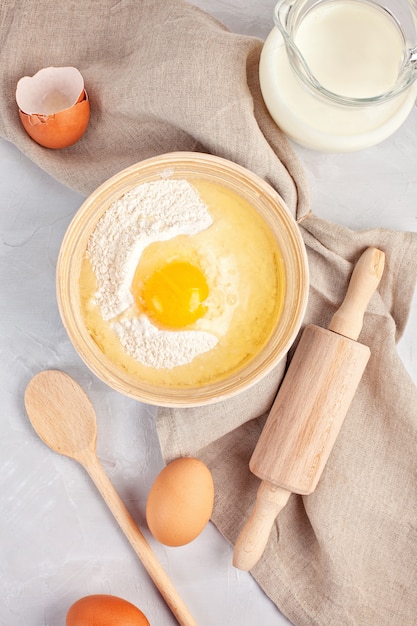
(309, 409)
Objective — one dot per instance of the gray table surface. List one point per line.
(58, 541)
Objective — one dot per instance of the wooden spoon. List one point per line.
(64, 418)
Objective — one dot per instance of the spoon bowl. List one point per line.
(61, 414)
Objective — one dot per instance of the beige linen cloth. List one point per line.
(165, 76)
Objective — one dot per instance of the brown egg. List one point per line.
(53, 106)
(180, 502)
(104, 610)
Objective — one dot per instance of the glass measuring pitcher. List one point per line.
(340, 74)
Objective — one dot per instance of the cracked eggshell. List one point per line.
(53, 106)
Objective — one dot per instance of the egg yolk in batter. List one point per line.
(173, 295)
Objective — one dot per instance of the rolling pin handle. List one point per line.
(254, 536)
(366, 275)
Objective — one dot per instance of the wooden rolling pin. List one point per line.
(309, 409)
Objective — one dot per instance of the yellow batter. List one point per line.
(239, 288)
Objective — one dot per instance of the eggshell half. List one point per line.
(180, 502)
(53, 106)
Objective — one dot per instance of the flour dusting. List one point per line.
(161, 348)
(154, 211)
(150, 212)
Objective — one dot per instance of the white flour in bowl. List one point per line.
(153, 211)
(162, 348)
(150, 212)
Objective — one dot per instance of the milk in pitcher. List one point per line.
(354, 50)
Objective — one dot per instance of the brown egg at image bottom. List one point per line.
(192, 298)
(104, 610)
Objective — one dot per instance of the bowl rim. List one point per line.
(68, 266)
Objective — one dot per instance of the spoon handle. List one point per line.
(138, 542)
